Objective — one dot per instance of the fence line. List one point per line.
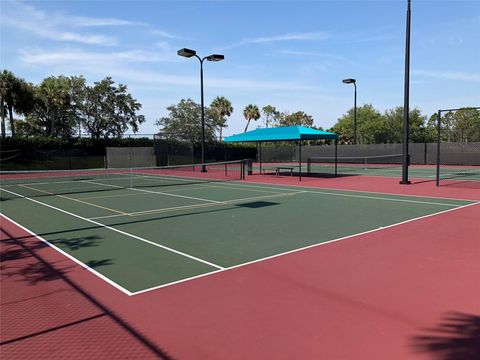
(420, 153)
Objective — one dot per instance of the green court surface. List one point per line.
(467, 173)
(144, 238)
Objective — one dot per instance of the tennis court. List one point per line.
(466, 173)
(381, 165)
(140, 230)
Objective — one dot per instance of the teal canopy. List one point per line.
(287, 133)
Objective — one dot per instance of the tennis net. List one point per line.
(353, 165)
(58, 182)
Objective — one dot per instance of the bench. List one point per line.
(277, 169)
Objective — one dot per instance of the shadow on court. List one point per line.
(76, 242)
(456, 337)
(43, 309)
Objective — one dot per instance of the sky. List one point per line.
(289, 54)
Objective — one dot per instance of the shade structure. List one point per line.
(286, 133)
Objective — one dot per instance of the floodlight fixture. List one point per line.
(188, 53)
(215, 57)
(354, 82)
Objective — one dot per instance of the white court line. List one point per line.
(188, 207)
(155, 192)
(301, 249)
(118, 231)
(85, 266)
(71, 181)
(367, 196)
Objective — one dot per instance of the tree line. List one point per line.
(64, 107)
(184, 119)
(373, 127)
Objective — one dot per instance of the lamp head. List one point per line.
(349, 81)
(215, 57)
(188, 53)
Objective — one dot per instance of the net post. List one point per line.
(439, 127)
(131, 177)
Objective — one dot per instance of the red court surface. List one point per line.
(406, 292)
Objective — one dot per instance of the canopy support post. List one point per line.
(300, 161)
(260, 155)
(336, 156)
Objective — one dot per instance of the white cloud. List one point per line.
(237, 84)
(65, 57)
(56, 26)
(311, 53)
(88, 21)
(448, 75)
(164, 34)
(320, 35)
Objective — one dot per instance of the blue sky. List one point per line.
(290, 54)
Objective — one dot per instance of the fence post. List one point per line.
(425, 153)
(439, 127)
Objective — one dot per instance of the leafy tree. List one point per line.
(297, 118)
(467, 125)
(393, 126)
(251, 112)
(220, 108)
(369, 125)
(270, 113)
(184, 121)
(447, 124)
(110, 110)
(58, 106)
(375, 128)
(431, 129)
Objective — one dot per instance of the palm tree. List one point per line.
(7, 84)
(221, 107)
(251, 112)
(15, 95)
(269, 111)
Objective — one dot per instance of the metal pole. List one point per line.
(355, 115)
(300, 160)
(203, 116)
(336, 156)
(439, 127)
(406, 119)
(260, 156)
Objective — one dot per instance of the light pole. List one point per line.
(406, 100)
(188, 53)
(354, 82)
